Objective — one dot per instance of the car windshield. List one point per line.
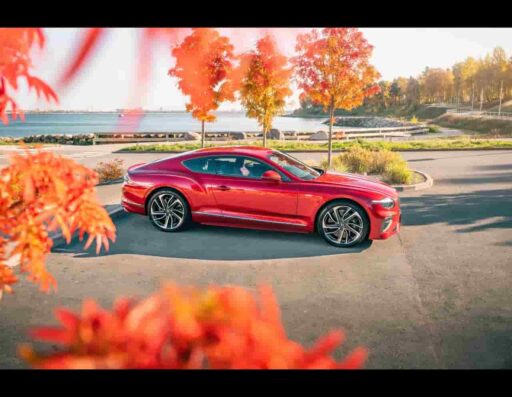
(294, 166)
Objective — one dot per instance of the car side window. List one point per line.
(254, 169)
(242, 167)
(203, 165)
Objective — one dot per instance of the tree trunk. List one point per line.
(331, 116)
(202, 133)
(264, 136)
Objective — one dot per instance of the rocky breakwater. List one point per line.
(368, 122)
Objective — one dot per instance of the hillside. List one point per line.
(421, 112)
(505, 107)
(494, 127)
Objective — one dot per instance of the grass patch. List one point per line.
(466, 142)
(11, 142)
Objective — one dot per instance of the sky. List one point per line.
(107, 82)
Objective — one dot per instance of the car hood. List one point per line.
(356, 181)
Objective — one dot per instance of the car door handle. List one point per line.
(223, 188)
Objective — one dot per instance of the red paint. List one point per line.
(287, 205)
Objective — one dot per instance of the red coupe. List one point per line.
(258, 188)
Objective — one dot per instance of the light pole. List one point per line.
(473, 98)
(501, 95)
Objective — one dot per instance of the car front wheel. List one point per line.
(343, 224)
(168, 211)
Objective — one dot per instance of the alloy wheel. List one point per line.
(342, 225)
(167, 211)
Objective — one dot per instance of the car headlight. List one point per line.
(126, 178)
(385, 202)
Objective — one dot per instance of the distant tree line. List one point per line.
(466, 83)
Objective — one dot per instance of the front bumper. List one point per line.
(384, 223)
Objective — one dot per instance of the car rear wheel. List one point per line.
(168, 211)
(343, 224)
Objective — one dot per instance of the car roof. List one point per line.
(244, 150)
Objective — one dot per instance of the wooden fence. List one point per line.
(338, 134)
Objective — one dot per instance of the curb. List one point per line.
(58, 239)
(429, 181)
(334, 151)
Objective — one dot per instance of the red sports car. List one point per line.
(259, 188)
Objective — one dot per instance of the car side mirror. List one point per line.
(271, 176)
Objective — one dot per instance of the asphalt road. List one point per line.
(437, 296)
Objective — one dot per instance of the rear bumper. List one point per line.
(132, 207)
(132, 200)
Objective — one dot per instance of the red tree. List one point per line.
(333, 70)
(265, 83)
(41, 192)
(15, 64)
(203, 62)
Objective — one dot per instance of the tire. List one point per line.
(350, 229)
(169, 211)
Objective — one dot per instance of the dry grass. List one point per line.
(110, 170)
(481, 125)
(398, 173)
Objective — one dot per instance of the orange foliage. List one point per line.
(203, 62)
(265, 83)
(15, 63)
(183, 328)
(40, 192)
(333, 67)
(333, 70)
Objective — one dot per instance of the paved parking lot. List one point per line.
(437, 296)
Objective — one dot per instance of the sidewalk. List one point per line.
(109, 194)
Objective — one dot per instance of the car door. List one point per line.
(241, 193)
(203, 169)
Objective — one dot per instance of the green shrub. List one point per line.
(390, 165)
(432, 129)
(357, 159)
(398, 173)
(337, 164)
(381, 159)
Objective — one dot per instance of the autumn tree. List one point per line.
(16, 45)
(333, 69)
(394, 92)
(203, 61)
(265, 84)
(384, 92)
(437, 84)
(413, 92)
(39, 192)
